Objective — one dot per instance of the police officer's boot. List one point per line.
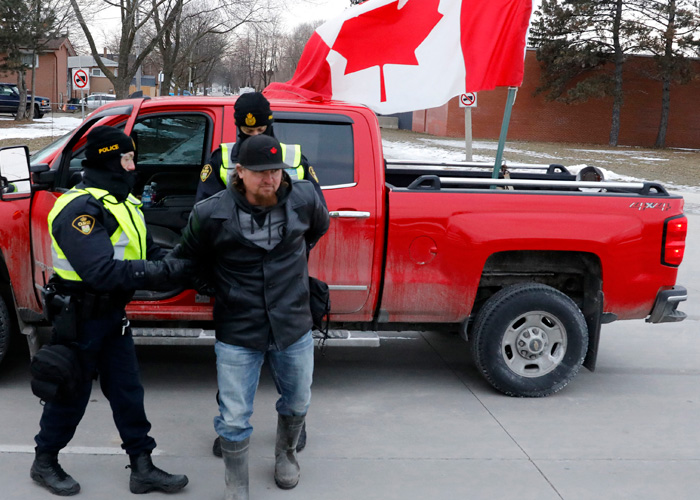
(236, 462)
(147, 477)
(216, 447)
(286, 465)
(47, 472)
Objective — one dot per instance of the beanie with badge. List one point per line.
(252, 110)
(105, 146)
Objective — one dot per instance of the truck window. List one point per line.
(328, 147)
(171, 140)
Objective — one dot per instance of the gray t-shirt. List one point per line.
(269, 234)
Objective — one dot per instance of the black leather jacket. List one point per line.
(262, 297)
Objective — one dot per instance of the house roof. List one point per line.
(57, 43)
(89, 62)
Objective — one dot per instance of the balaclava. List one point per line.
(103, 151)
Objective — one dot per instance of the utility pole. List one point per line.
(137, 44)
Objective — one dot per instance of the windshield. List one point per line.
(41, 155)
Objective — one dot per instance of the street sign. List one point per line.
(467, 100)
(81, 81)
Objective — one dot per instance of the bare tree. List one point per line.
(292, 47)
(135, 16)
(255, 56)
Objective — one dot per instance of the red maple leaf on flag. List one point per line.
(386, 35)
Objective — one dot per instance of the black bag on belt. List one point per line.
(320, 303)
(56, 373)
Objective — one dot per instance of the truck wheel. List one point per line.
(5, 329)
(37, 112)
(529, 340)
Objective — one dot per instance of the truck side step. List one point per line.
(200, 336)
(173, 336)
(347, 338)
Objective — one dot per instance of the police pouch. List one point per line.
(56, 373)
(62, 311)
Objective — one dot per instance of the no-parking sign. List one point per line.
(81, 81)
(467, 100)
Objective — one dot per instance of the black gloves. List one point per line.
(166, 274)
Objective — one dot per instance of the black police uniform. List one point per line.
(106, 347)
(102, 253)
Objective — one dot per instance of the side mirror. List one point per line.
(42, 176)
(14, 173)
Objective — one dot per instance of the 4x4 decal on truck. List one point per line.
(645, 205)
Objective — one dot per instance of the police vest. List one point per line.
(128, 240)
(292, 151)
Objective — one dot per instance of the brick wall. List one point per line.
(535, 119)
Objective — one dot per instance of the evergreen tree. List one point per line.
(671, 38)
(15, 35)
(577, 40)
(26, 27)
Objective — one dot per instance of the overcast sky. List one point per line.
(295, 12)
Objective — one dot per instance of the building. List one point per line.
(536, 119)
(52, 79)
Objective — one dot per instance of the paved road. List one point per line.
(413, 420)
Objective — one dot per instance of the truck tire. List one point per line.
(37, 112)
(529, 340)
(5, 329)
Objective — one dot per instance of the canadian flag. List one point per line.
(403, 55)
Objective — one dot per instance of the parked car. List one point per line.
(94, 101)
(9, 101)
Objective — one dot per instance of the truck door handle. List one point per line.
(348, 214)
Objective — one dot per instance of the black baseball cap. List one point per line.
(261, 152)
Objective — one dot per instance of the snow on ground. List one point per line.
(41, 127)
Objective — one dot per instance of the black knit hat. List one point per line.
(106, 143)
(252, 110)
(261, 152)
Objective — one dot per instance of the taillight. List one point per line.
(673, 247)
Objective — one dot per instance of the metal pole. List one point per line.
(468, 132)
(137, 36)
(512, 91)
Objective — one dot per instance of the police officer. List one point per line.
(253, 116)
(102, 252)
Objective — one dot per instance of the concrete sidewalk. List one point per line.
(408, 420)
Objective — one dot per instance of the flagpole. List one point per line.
(512, 91)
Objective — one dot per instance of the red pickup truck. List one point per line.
(526, 266)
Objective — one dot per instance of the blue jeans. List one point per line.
(238, 374)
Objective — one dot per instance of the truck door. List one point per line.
(65, 172)
(345, 257)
